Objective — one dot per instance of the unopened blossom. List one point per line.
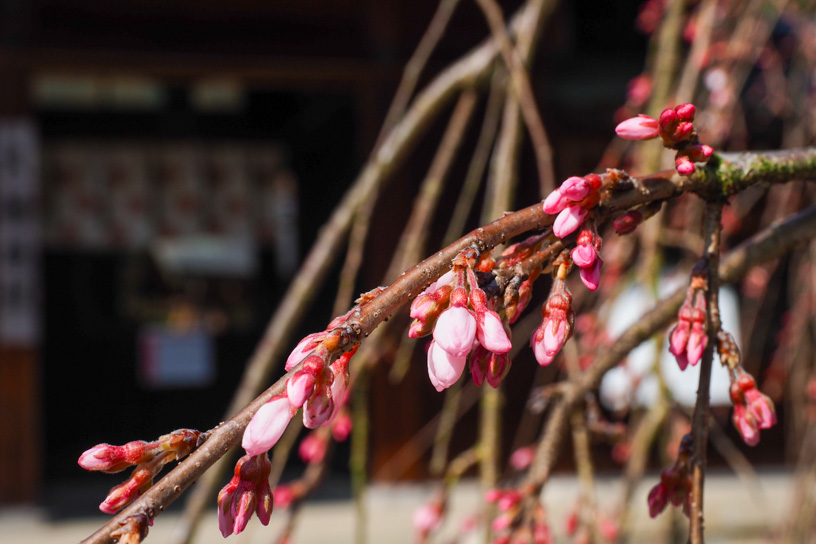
(522, 458)
(300, 387)
(675, 482)
(111, 459)
(556, 327)
(455, 329)
(304, 347)
(687, 339)
(341, 426)
(587, 258)
(490, 330)
(313, 448)
(248, 492)
(685, 159)
(284, 496)
(319, 408)
(641, 127)
(267, 425)
(444, 369)
(572, 202)
(752, 409)
(428, 305)
(141, 479)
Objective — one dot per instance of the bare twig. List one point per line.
(515, 61)
(699, 424)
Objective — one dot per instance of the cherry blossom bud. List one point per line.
(108, 458)
(299, 388)
(555, 202)
(318, 409)
(685, 112)
(498, 364)
(304, 347)
(575, 188)
(479, 360)
(522, 458)
(283, 496)
(696, 343)
(668, 119)
(341, 426)
(267, 425)
(584, 254)
(746, 425)
(658, 499)
(627, 223)
(568, 220)
(313, 448)
(683, 165)
(455, 330)
(641, 127)
(491, 333)
(501, 523)
(548, 342)
(761, 408)
(444, 369)
(508, 500)
(226, 519)
(591, 275)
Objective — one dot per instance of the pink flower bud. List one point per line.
(522, 458)
(547, 343)
(583, 255)
(678, 337)
(226, 520)
(318, 409)
(746, 425)
(497, 366)
(555, 202)
(575, 188)
(696, 343)
(658, 499)
(313, 448)
(684, 166)
(444, 369)
(569, 220)
(491, 333)
(508, 500)
(591, 276)
(420, 328)
(761, 408)
(299, 388)
(501, 523)
(341, 427)
(667, 119)
(641, 127)
(627, 223)
(685, 112)
(479, 359)
(455, 331)
(267, 425)
(283, 496)
(303, 349)
(107, 458)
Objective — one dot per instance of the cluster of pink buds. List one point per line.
(688, 339)
(458, 312)
(572, 202)
(587, 258)
(319, 388)
(675, 482)
(556, 327)
(675, 128)
(147, 457)
(537, 532)
(752, 409)
(247, 492)
(428, 518)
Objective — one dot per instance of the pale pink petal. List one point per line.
(97, 458)
(267, 426)
(491, 334)
(542, 355)
(569, 220)
(555, 202)
(641, 127)
(317, 410)
(443, 368)
(455, 331)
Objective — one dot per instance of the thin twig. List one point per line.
(699, 424)
(515, 61)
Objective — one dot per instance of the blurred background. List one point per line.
(165, 166)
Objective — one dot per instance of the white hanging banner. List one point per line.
(20, 233)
